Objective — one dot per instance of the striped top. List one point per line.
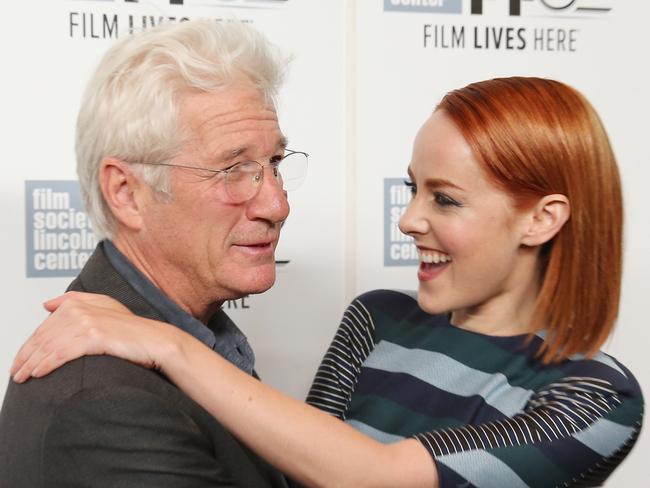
(487, 410)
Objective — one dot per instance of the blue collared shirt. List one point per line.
(221, 334)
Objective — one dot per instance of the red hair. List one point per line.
(535, 137)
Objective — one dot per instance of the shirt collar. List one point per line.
(221, 334)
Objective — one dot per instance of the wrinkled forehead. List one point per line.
(233, 120)
(198, 109)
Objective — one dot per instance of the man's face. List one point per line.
(202, 248)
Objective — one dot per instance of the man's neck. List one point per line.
(171, 282)
(220, 334)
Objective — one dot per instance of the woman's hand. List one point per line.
(90, 324)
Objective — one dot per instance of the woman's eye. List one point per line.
(444, 200)
(441, 199)
(411, 186)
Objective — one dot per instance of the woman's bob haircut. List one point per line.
(534, 137)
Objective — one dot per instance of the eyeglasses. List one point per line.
(243, 180)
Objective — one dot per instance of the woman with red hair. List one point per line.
(494, 372)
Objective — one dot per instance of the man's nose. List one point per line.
(271, 202)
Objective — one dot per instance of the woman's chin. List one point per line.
(430, 306)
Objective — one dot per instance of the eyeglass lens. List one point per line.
(243, 180)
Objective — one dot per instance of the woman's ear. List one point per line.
(546, 219)
(121, 190)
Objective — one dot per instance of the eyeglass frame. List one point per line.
(271, 164)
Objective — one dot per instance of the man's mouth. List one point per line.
(256, 248)
(255, 245)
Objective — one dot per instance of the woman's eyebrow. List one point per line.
(441, 182)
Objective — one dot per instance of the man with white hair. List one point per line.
(184, 171)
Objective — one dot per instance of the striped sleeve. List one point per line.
(573, 432)
(338, 372)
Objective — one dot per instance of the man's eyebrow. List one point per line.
(283, 142)
(232, 154)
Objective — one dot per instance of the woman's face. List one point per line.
(467, 231)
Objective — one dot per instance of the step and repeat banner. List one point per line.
(365, 75)
(410, 53)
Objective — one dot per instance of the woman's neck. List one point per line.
(508, 313)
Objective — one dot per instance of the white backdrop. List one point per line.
(365, 75)
(399, 80)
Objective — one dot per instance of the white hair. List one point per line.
(130, 108)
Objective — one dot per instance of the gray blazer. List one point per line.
(103, 422)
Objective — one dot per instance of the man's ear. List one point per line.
(546, 219)
(122, 192)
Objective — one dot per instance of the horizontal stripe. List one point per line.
(482, 469)
(532, 466)
(419, 397)
(457, 378)
(628, 413)
(602, 358)
(598, 369)
(482, 352)
(567, 454)
(604, 437)
(505, 355)
(393, 417)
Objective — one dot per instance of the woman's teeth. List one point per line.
(434, 257)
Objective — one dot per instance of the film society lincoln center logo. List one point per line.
(59, 236)
(399, 249)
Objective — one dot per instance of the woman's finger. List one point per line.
(30, 361)
(55, 349)
(53, 303)
(31, 345)
(67, 315)
(74, 348)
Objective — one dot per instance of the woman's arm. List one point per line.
(310, 446)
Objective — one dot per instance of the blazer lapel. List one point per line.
(99, 276)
